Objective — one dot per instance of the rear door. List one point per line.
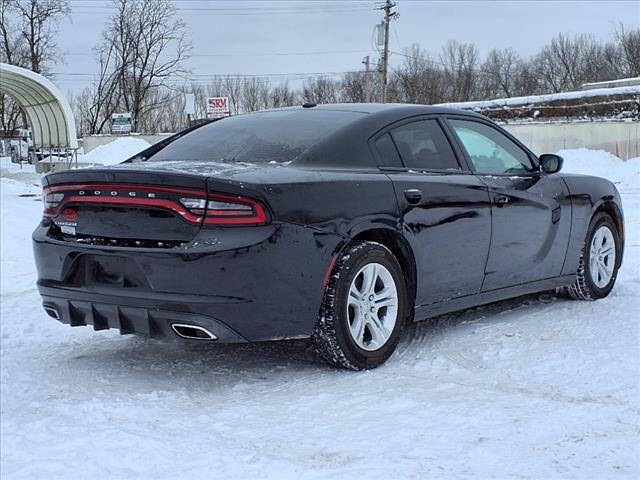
(444, 209)
(531, 211)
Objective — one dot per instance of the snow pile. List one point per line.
(602, 164)
(536, 99)
(22, 173)
(7, 165)
(114, 152)
(535, 387)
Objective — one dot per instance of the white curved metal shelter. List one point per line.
(50, 117)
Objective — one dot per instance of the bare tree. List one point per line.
(354, 87)
(12, 52)
(283, 96)
(500, 72)
(170, 117)
(12, 49)
(28, 30)
(629, 43)
(38, 29)
(566, 63)
(528, 80)
(255, 94)
(320, 90)
(10, 113)
(102, 100)
(460, 61)
(144, 47)
(215, 88)
(232, 86)
(419, 79)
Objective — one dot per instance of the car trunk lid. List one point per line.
(123, 207)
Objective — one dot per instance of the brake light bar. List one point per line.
(191, 205)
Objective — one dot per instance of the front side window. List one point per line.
(490, 151)
(424, 146)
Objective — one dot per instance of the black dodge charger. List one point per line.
(336, 222)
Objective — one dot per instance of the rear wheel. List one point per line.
(599, 261)
(364, 308)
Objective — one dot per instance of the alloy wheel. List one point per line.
(372, 306)
(602, 257)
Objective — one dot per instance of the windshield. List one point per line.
(265, 137)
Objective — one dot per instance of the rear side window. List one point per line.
(387, 152)
(263, 137)
(490, 151)
(424, 146)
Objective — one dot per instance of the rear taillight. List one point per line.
(191, 205)
(221, 209)
(51, 201)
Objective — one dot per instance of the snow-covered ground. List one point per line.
(536, 387)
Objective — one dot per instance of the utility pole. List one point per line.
(388, 15)
(365, 61)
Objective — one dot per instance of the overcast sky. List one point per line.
(289, 37)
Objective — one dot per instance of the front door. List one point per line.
(530, 210)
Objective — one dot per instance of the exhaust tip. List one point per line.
(52, 312)
(193, 332)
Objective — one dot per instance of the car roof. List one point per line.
(385, 112)
(400, 109)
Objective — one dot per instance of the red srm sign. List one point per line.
(218, 107)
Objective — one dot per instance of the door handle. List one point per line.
(500, 200)
(413, 195)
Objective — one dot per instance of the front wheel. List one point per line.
(364, 308)
(599, 261)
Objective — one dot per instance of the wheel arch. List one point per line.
(402, 250)
(613, 210)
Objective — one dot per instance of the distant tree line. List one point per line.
(457, 73)
(141, 68)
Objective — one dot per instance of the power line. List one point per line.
(296, 6)
(82, 74)
(186, 13)
(307, 5)
(195, 78)
(250, 54)
(236, 11)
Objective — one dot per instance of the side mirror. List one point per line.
(550, 163)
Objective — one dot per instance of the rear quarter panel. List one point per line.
(340, 202)
(315, 213)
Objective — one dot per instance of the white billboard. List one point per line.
(121, 123)
(218, 107)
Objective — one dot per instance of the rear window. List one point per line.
(271, 136)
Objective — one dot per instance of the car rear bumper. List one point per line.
(241, 284)
(150, 321)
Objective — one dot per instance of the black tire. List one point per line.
(584, 287)
(331, 336)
